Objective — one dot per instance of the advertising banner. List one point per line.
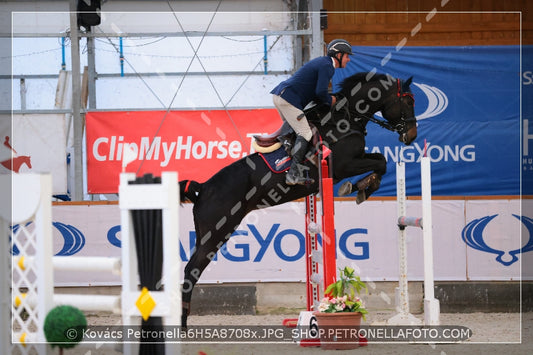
(472, 240)
(468, 106)
(195, 143)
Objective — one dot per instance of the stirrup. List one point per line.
(292, 180)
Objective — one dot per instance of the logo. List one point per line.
(280, 162)
(472, 235)
(74, 240)
(15, 162)
(437, 101)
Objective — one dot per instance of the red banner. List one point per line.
(196, 144)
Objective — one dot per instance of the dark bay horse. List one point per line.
(221, 203)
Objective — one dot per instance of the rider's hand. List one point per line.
(333, 100)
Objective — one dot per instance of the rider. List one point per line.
(309, 83)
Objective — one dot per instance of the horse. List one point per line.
(221, 203)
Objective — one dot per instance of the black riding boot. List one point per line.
(295, 175)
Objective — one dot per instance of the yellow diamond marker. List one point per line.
(145, 303)
(19, 299)
(21, 263)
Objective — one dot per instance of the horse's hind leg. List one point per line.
(208, 242)
(201, 257)
(210, 237)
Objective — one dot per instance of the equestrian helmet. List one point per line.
(339, 46)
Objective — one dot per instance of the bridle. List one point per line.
(401, 127)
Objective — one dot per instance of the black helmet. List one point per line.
(339, 46)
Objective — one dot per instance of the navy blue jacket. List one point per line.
(309, 83)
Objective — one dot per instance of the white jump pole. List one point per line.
(403, 316)
(164, 196)
(431, 304)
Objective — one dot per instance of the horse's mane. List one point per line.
(350, 82)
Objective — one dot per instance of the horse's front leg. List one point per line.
(373, 162)
(367, 186)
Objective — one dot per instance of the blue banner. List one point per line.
(468, 106)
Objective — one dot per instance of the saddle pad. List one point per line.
(278, 161)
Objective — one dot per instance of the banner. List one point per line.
(475, 240)
(468, 106)
(35, 143)
(527, 120)
(197, 144)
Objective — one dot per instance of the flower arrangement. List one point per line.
(344, 294)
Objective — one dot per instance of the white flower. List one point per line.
(322, 307)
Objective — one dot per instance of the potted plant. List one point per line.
(339, 313)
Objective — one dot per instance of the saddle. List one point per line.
(285, 135)
(268, 140)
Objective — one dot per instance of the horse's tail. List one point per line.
(189, 190)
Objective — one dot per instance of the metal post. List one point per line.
(121, 49)
(317, 37)
(63, 63)
(265, 55)
(23, 92)
(77, 188)
(91, 64)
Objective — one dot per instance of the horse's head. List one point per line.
(400, 111)
(368, 93)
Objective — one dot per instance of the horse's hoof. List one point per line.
(361, 197)
(374, 185)
(345, 189)
(368, 180)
